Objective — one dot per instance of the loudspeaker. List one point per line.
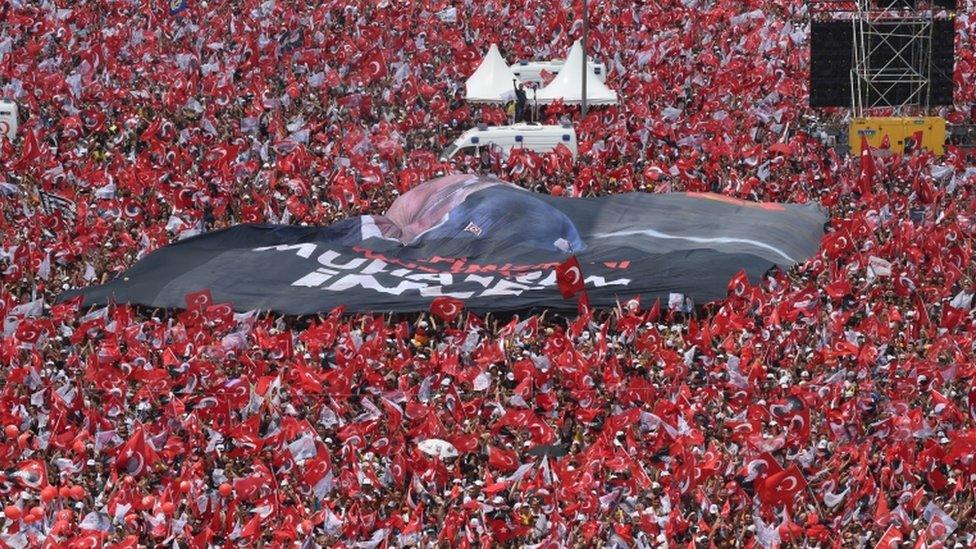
(831, 59)
(943, 62)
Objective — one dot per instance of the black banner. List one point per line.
(491, 244)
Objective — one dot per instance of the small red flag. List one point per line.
(446, 308)
(655, 313)
(583, 305)
(891, 539)
(29, 152)
(198, 301)
(31, 474)
(502, 460)
(570, 277)
(136, 455)
(739, 284)
(221, 313)
(839, 288)
(914, 143)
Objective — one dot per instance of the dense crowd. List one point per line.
(829, 405)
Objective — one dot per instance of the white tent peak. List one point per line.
(492, 81)
(567, 85)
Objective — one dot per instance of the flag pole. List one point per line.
(586, 26)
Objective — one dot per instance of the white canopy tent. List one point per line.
(568, 84)
(492, 81)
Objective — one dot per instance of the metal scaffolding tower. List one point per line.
(892, 65)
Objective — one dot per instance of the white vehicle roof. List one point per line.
(496, 132)
(8, 119)
(531, 71)
(520, 128)
(511, 135)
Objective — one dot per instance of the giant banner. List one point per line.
(478, 239)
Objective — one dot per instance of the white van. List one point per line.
(532, 136)
(8, 119)
(530, 72)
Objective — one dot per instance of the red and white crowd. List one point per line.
(832, 405)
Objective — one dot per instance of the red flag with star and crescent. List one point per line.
(136, 455)
(446, 308)
(891, 539)
(782, 487)
(198, 301)
(865, 180)
(569, 276)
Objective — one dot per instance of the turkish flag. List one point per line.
(739, 284)
(762, 465)
(446, 308)
(963, 443)
(135, 455)
(27, 332)
(865, 180)
(655, 313)
(583, 306)
(317, 468)
(29, 152)
(253, 528)
(89, 539)
(839, 288)
(198, 301)
(372, 68)
(569, 275)
(891, 539)
(837, 243)
(913, 143)
(306, 378)
(780, 488)
(31, 474)
(502, 460)
(527, 420)
(221, 314)
(941, 525)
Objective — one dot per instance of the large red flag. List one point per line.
(865, 180)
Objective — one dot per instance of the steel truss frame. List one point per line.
(901, 80)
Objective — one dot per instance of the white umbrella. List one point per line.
(437, 447)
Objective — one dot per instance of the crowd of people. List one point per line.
(830, 405)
